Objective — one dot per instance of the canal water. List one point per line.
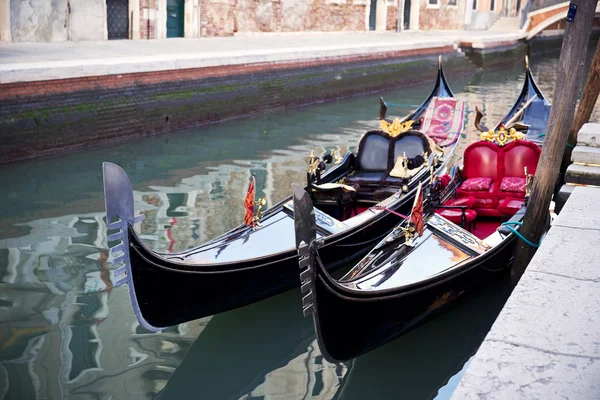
(65, 332)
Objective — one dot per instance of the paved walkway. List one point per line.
(545, 344)
(24, 62)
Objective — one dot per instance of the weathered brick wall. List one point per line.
(218, 17)
(147, 18)
(336, 17)
(225, 17)
(444, 17)
(46, 117)
(392, 19)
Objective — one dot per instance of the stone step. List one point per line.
(583, 174)
(589, 135)
(506, 24)
(586, 155)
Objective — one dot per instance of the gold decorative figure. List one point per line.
(431, 175)
(337, 158)
(426, 157)
(313, 163)
(528, 183)
(260, 203)
(501, 137)
(396, 127)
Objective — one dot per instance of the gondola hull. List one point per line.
(167, 297)
(349, 326)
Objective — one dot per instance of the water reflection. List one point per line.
(65, 332)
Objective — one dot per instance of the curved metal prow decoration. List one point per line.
(478, 116)
(118, 197)
(382, 108)
(306, 235)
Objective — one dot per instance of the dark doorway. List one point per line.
(117, 19)
(406, 23)
(175, 13)
(373, 15)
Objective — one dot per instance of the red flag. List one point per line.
(249, 204)
(416, 215)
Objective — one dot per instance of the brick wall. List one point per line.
(392, 18)
(148, 18)
(444, 17)
(225, 17)
(41, 118)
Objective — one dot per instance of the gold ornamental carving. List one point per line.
(395, 127)
(502, 136)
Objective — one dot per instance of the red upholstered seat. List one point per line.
(510, 206)
(455, 215)
(482, 160)
(468, 202)
(517, 155)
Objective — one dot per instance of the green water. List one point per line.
(66, 333)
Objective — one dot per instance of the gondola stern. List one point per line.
(118, 199)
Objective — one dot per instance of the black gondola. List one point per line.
(246, 264)
(469, 233)
(529, 114)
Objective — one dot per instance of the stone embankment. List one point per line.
(57, 97)
(545, 344)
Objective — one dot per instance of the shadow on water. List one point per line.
(418, 363)
(269, 349)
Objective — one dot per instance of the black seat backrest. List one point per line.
(413, 143)
(373, 152)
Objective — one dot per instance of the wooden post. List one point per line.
(568, 78)
(585, 108)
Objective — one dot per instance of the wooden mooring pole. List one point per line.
(568, 79)
(584, 109)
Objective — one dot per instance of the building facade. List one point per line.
(76, 20)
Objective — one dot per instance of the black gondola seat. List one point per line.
(377, 155)
(372, 159)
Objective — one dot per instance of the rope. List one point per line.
(391, 211)
(523, 238)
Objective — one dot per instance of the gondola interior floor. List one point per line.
(485, 226)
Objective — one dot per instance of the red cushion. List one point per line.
(468, 202)
(483, 198)
(476, 184)
(455, 216)
(512, 184)
(510, 206)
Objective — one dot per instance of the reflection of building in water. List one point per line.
(204, 206)
(65, 332)
(308, 376)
